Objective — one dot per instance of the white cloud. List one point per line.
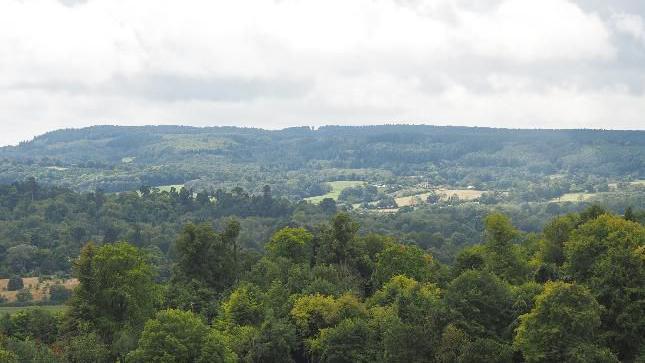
(520, 63)
(630, 24)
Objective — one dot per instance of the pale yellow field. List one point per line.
(463, 194)
(39, 290)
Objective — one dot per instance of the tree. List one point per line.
(502, 255)
(556, 233)
(336, 245)
(413, 310)
(172, 336)
(482, 302)
(216, 348)
(86, 348)
(15, 283)
(352, 340)
(564, 317)
(399, 259)
(275, 342)
(31, 324)
(328, 206)
(469, 258)
(312, 313)
(206, 256)
(116, 291)
(245, 306)
(8, 357)
(291, 243)
(486, 350)
(58, 293)
(608, 255)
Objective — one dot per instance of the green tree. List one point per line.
(502, 255)
(416, 311)
(8, 357)
(116, 291)
(564, 317)
(608, 255)
(204, 255)
(31, 324)
(86, 348)
(486, 350)
(172, 336)
(469, 258)
(216, 348)
(349, 341)
(245, 306)
(556, 233)
(337, 243)
(482, 303)
(291, 243)
(275, 342)
(399, 259)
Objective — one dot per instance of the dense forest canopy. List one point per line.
(572, 293)
(337, 244)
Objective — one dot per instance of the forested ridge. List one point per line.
(295, 162)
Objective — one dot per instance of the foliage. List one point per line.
(172, 336)
(335, 291)
(117, 292)
(565, 316)
(608, 255)
(59, 294)
(15, 283)
(292, 243)
(399, 259)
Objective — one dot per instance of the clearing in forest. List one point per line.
(336, 188)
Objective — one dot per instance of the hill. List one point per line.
(296, 162)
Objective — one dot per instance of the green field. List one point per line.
(13, 309)
(336, 188)
(166, 188)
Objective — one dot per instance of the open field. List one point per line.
(39, 289)
(574, 197)
(336, 188)
(463, 194)
(166, 188)
(13, 309)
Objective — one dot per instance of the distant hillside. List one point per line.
(295, 161)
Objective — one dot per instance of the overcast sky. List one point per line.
(272, 64)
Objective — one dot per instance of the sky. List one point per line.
(281, 63)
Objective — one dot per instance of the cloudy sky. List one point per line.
(273, 64)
